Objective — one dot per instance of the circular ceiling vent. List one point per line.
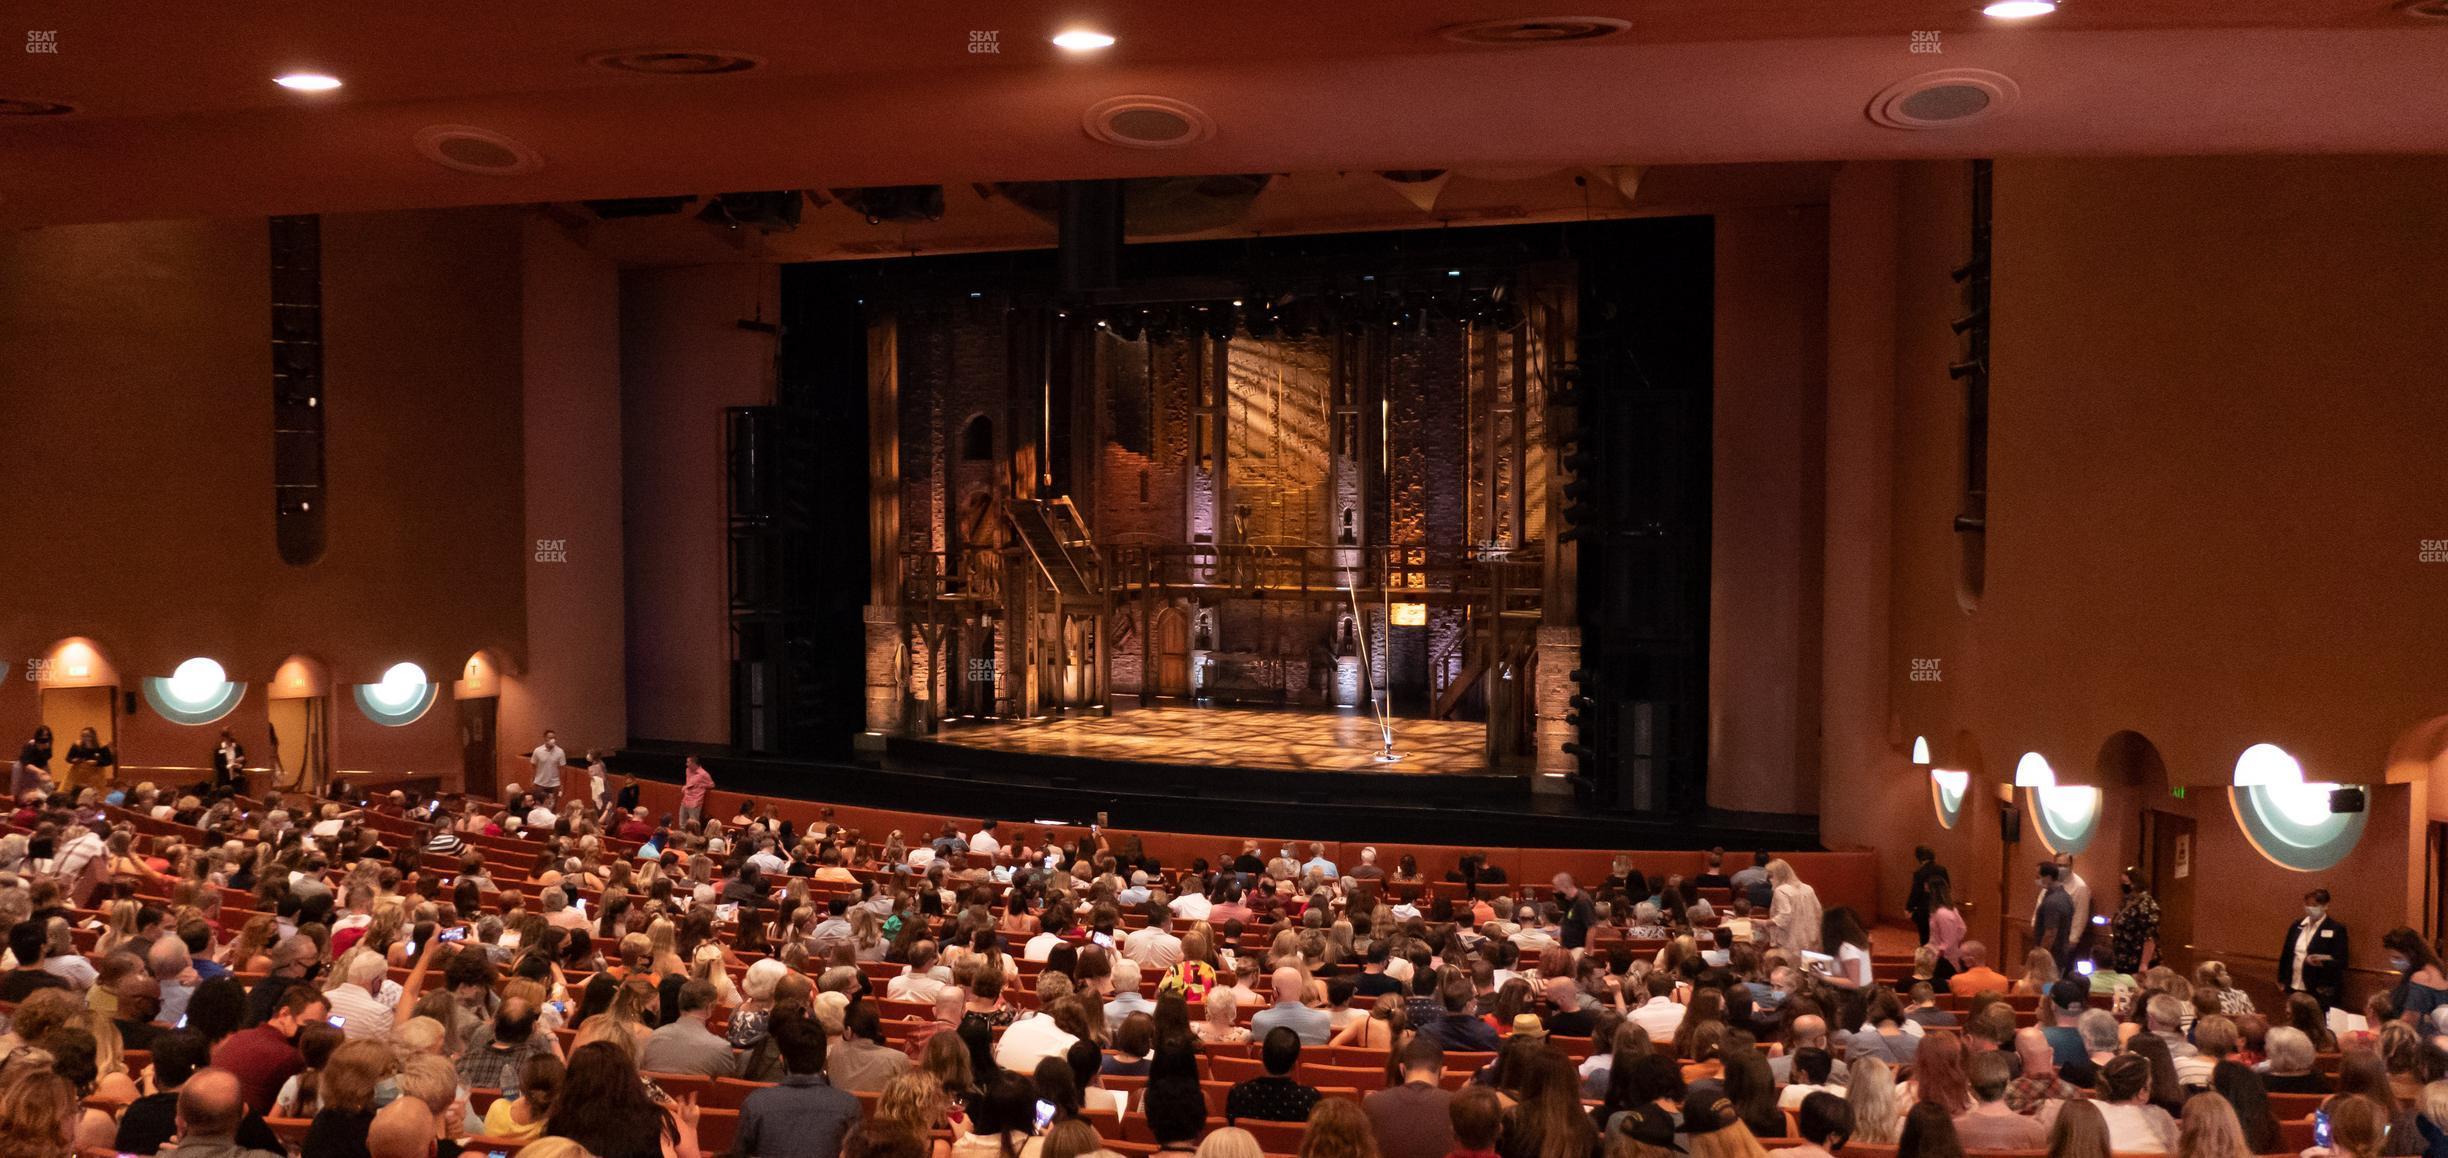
(1147, 122)
(19, 107)
(473, 150)
(2424, 9)
(677, 61)
(1536, 30)
(1943, 99)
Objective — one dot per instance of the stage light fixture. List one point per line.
(307, 82)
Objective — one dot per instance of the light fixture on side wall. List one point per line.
(307, 81)
(1082, 40)
(2018, 9)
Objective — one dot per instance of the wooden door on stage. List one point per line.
(1172, 653)
(2174, 856)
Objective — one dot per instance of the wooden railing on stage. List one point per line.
(1442, 574)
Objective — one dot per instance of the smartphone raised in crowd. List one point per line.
(455, 933)
(2320, 1127)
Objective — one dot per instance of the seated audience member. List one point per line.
(860, 1061)
(2040, 1083)
(2249, 1100)
(1474, 1119)
(805, 1116)
(689, 1045)
(1660, 1014)
(1991, 1124)
(1004, 1121)
(212, 1120)
(1825, 1123)
(1411, 1118)
(1288, 988)
(1882, 1034)
(2079, 1131)
(1809, 1031)
(521, 1118)
(1273, 1096)
(2164, 1017)
(1455, 1027)
(2293, 1066)
(2214, 1041)
(1976, 977)
(151, 1120)
(1923, 1009)
(1928, 1133)
(1041, 1035)
(2135, 1126)
(1808, 1075)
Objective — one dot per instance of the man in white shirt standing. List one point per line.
(984, 844)
(2078, 891)
(548, 759)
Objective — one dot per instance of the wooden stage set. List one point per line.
(1346, 740)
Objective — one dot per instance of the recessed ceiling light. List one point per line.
(1082, 40)
(2019, 9)
(307, 82)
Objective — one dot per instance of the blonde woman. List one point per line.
(914, 1103)
(2210, 1130)
(1386, 1027)
(1223, 1014)
(1793, 910)
(1230, 1142)
(2212, 976)
(118, 926)
(252, 951)
(112, 1081)
(2039, 972)
(1877, 1115)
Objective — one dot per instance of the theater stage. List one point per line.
(1243, 738)
(1178, 768)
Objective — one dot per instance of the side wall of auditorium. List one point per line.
(2215, 417)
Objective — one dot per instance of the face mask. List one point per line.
(2400, 964)
(2127, 887)
(2313, 912)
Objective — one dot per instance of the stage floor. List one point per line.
(1311, 741)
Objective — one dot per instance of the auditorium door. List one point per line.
(479, 774)
(1172, 653)
(2174, 865)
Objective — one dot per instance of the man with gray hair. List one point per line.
(559, 911)
(1127, 998)
(689, 1044)
(2166, 1018)
(354, 1007)
(173, 966)
(294, 961)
